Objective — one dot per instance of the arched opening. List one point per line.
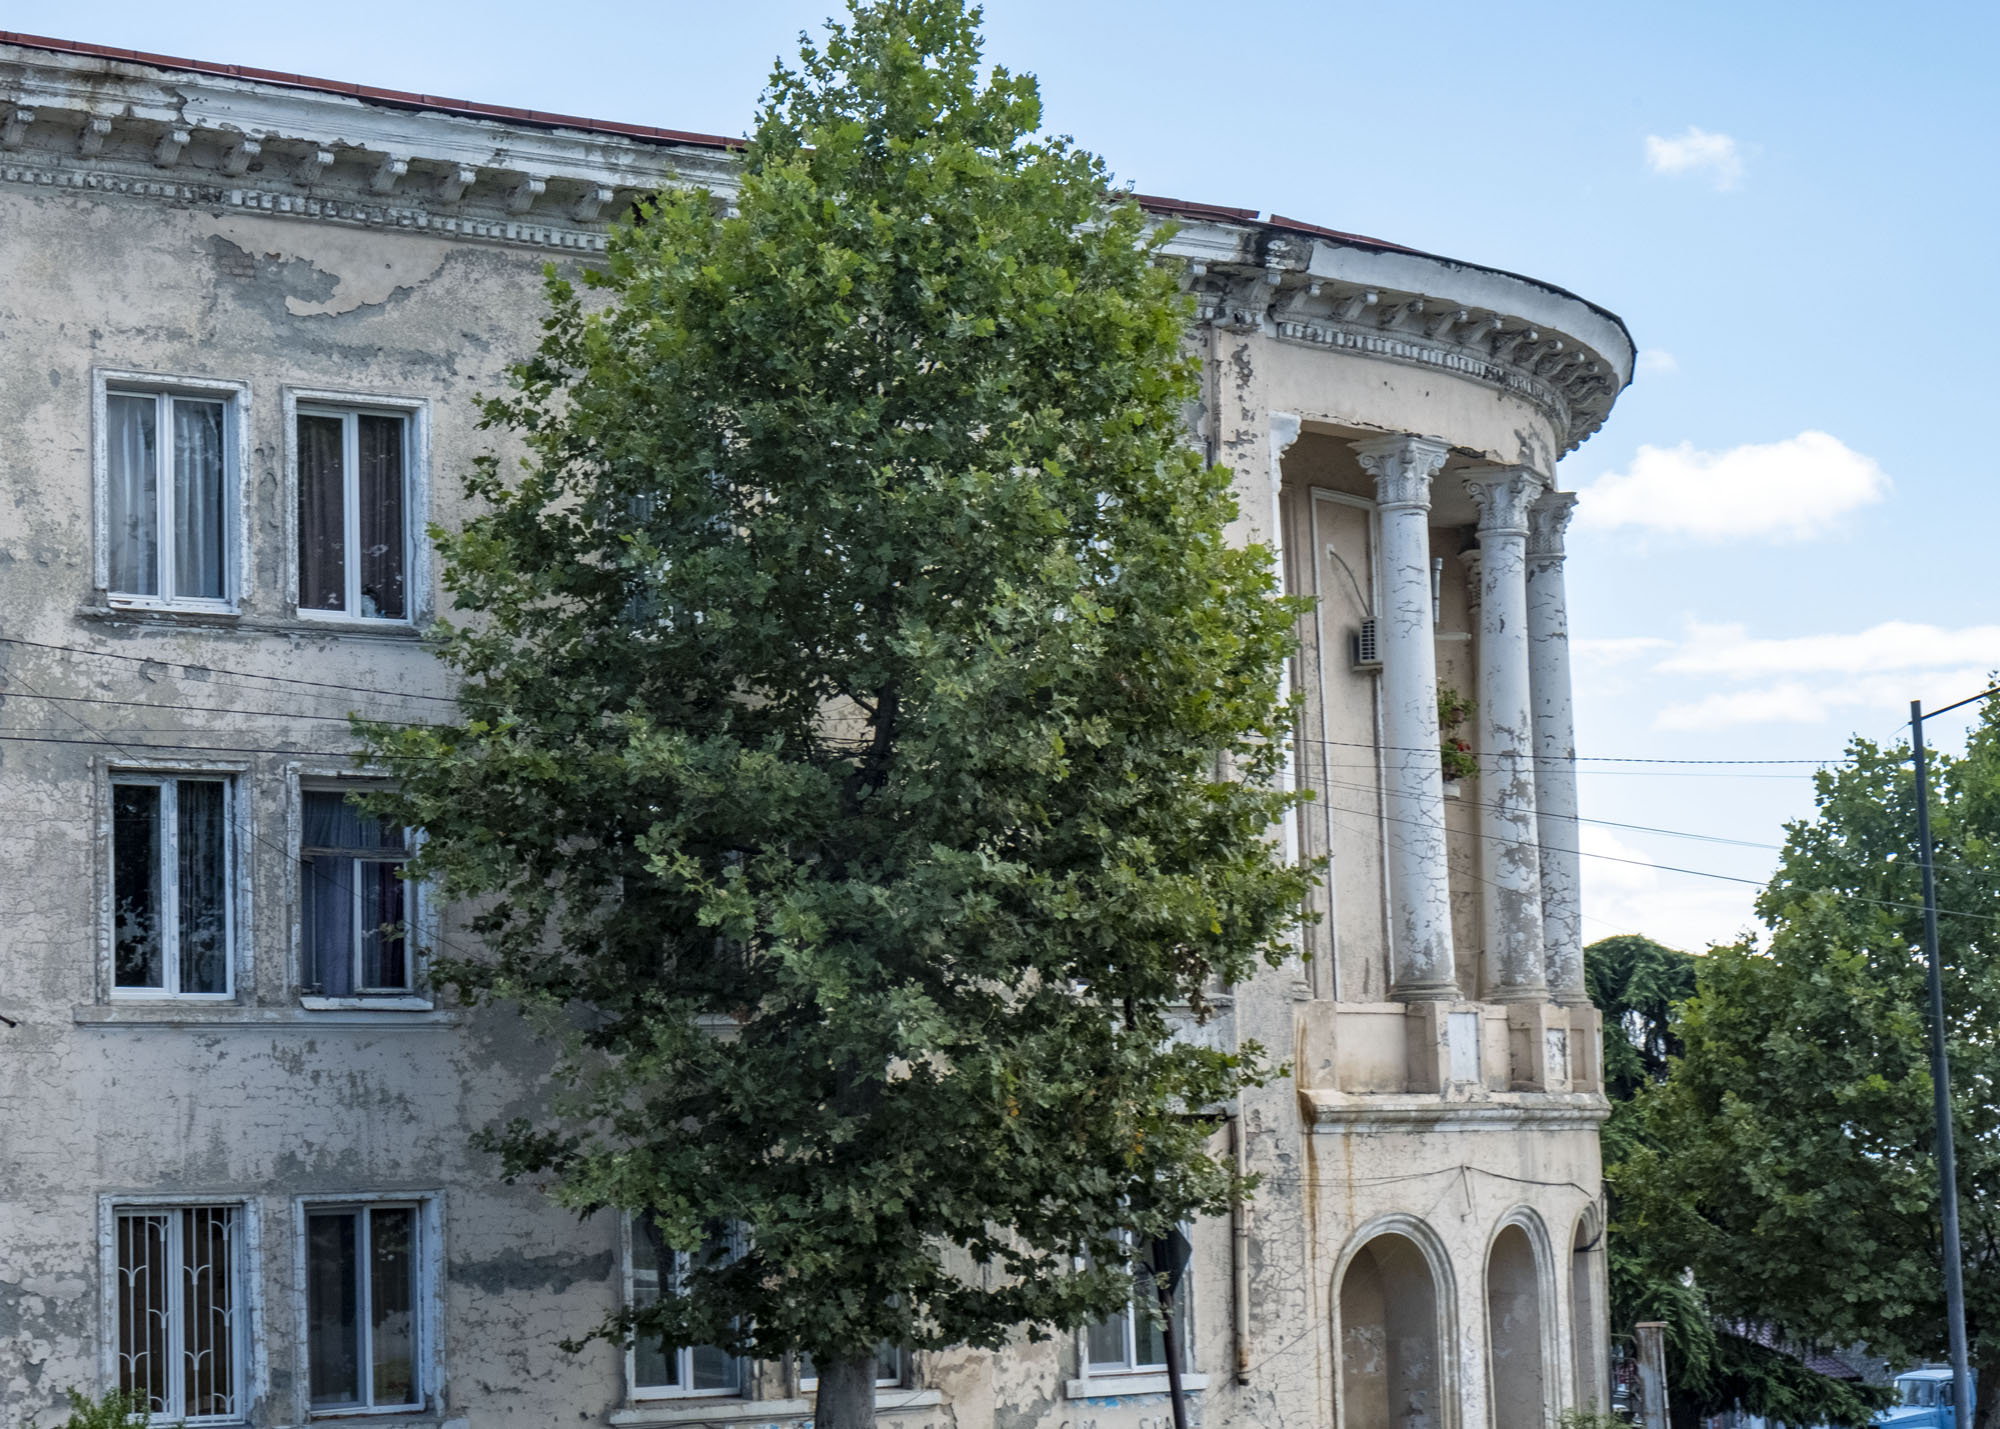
(1514, 1332)
(1389, 1365)
(1585, 1328)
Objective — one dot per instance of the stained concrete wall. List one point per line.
(264, 1100)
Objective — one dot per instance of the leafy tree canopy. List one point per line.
(1789, 1157)
(870, 738)
(1714, 1364)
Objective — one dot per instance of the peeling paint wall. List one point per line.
(263, 1100)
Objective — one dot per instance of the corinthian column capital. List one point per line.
(1503, 495)
(1402, 467)
(1548, 518)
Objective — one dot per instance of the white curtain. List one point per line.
(133, 501)
(199, 524)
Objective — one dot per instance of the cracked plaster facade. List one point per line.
(189, 222)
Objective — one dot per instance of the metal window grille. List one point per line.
(178, 1346)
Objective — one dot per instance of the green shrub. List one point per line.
(116, 1410)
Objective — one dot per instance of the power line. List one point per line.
(1638, 862)
(338, 687)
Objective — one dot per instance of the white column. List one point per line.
(1421, 965)
(1510, 871)
(1555, 746)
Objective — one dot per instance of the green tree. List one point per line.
(1714, 1364)
(870, 738)
(1789, 1157)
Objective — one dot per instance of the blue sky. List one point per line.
(1796, 528)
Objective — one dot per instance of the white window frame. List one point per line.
(165, 777)
(424, 923)
(810, 1382)
(428, 1309)
(245, 1289)
(1129, 1377)
(416, 415)
(235, 398)
(684, 1362)
(416, 905)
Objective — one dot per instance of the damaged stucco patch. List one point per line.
(367, 266)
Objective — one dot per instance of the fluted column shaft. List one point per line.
(1421, 963)
(1511, 965)
(1555, 747)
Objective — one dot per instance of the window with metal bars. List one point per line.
(363, 1331)
(180, 1336)
(354, 513)
(173, 917)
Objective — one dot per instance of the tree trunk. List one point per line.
(846, 1393)
(1985, 1396)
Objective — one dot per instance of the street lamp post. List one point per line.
(1954, 1270)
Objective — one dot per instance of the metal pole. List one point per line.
(1170, 1257)
(1954, 1272)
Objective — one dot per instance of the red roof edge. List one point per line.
(1153, 203)
(1296, 225)
(402, 98)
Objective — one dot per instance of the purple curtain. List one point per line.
(322, 520)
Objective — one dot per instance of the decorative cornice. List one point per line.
(1548, 518)
(76, 122)
(1402, 467)
(1503, 495)
(1273, 290)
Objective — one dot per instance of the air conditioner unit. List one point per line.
(1367, 654)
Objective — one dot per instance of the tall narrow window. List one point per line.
(177, 1293)
(353, 513)
(172, 919)
(659, 1368)
(361, 1307)
(167, 497)
(1133, 1338)
(355, 907)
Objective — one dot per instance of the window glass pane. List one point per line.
(208, 1278)
(1149, 1341)
(888, 1364)
(331, 822)
(144, 1307)
(135, 878)
(204, 894)
(132, 497)
(379, 497)
(654, 1366)
(322, 521)
(392, 1269)
(713, 1369)
(385, 962)
(326, 917)
(1105, 1342)
(200, 528)
(333, 1337)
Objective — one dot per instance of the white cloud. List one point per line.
(1617, 649)
(1620, 895)
(1810, 679)
(1789, 490)
(1657, 362)
(1697, 152)
(1892, 645)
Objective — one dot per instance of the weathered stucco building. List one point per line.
(244, 316)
